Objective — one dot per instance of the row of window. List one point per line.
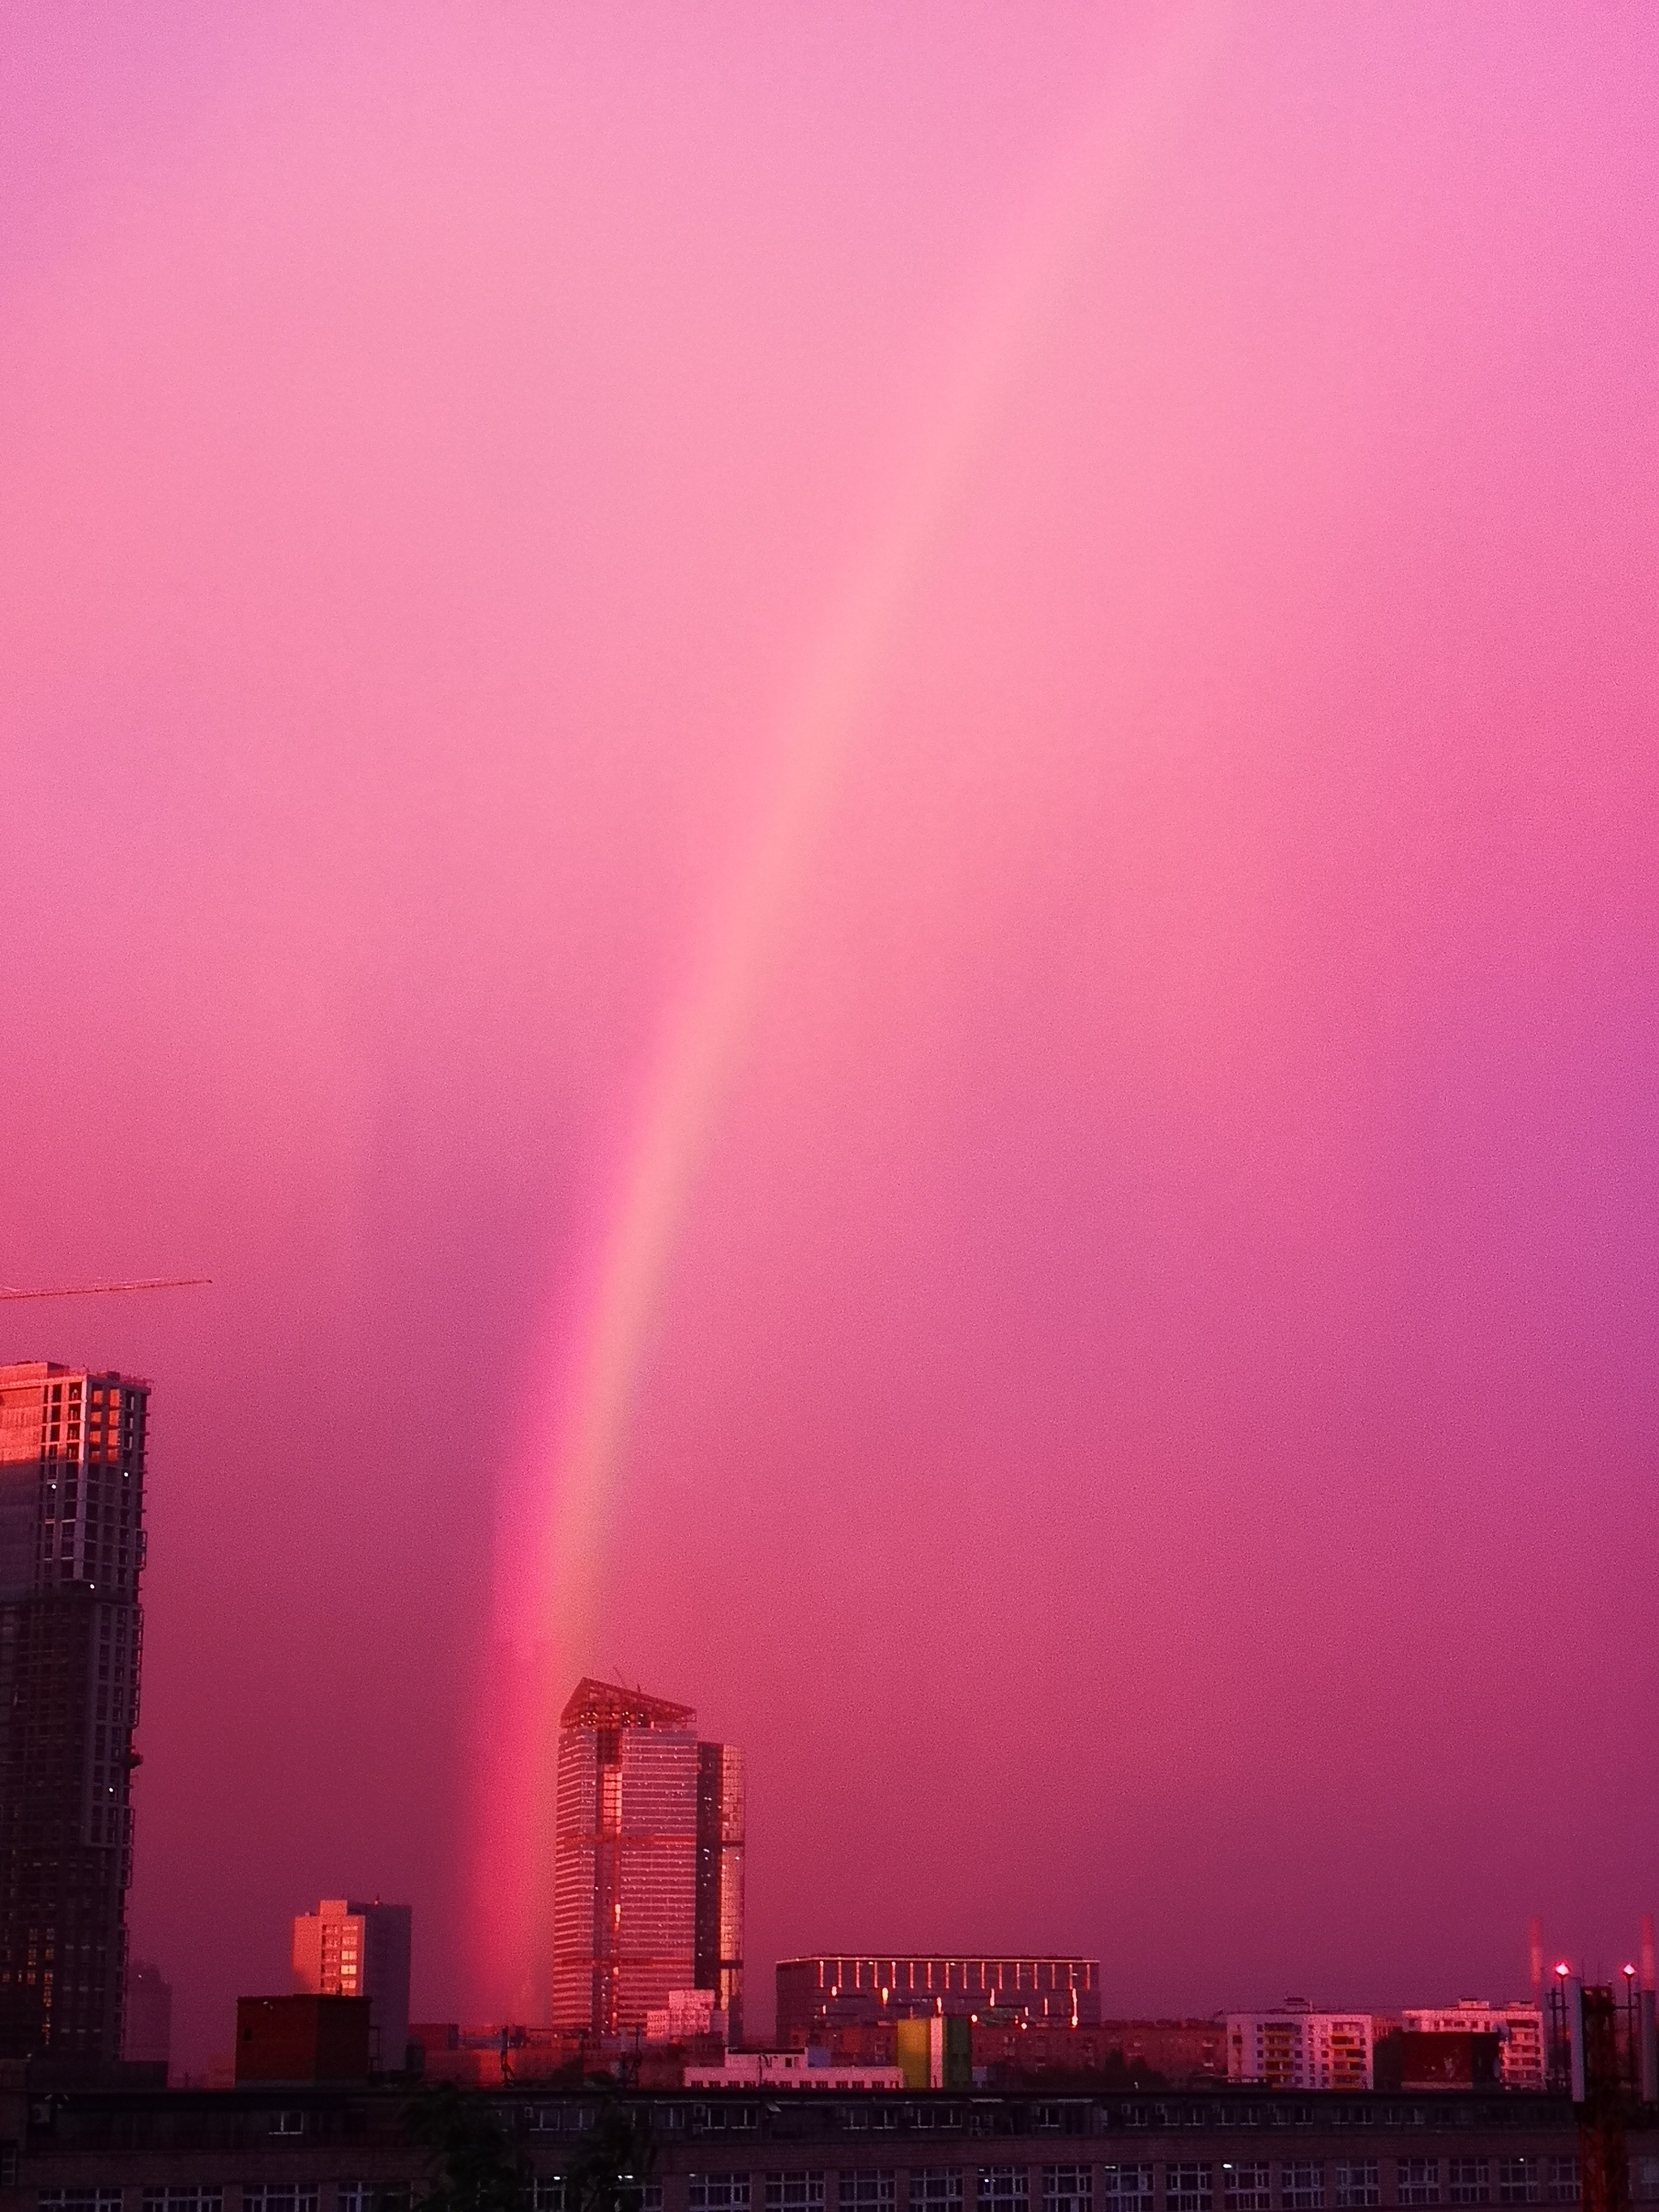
(1189, 2185)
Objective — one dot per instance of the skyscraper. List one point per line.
(344, 1949)
(719, 1945)
(71, 1548)
(648, 1880)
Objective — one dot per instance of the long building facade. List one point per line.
(832, 1990)
(72, 1447)
(648, 1880)
(351, 2149)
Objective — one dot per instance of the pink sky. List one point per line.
(1145, 1432)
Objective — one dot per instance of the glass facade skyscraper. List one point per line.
(720, 1880)
(71, 1549)
(634, 1882)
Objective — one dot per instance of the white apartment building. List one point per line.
(1520, 2028)
(1297, 2048)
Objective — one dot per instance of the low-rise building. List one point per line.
(790, 2069)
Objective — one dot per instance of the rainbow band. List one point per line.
(567, 1496)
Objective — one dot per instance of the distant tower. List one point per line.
(150, 2017)
(71, 1547)
(648, 1875)
(344, 1949)
(719, 1880)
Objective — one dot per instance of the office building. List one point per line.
(1297, 2048)
(647, 1873)
(819, 1995)
(719, 1934)
(149, 2031)
(344, 1949)
(1519, 2028)
(71, 1550)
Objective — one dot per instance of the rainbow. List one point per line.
(557, 1512)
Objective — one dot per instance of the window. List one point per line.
(76, 2200)
(1188, 2187)
(1302, 2185)
(1247, 2187)
(279, 2196)
(868, 2192)
(1564, 2180)
(1517, 2179)
(1469, 2182)
(1644, 2178)
(1420, 2180)
(717, 2192)
(548, 2194)
(794, 2192)
(1356, 2184)
(184, 2200)
(1125, 2189)
(288, 2123)
(1003, 2187)
(936, 2186)
(1067, 2189)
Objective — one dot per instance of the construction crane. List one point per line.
(104, 1290)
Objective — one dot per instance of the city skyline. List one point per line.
(853, 813)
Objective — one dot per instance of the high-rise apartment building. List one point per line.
(344, 1949)
(647, 1880)
(71, 1550)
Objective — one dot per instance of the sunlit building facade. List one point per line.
(819, 1995)
(647, 1883)
(346, 1949)
(72, 1447)
(1297, 2048)
(1520, 2028)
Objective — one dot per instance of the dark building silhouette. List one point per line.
(648, 1880)
(150, 2017)
(71, 1548)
